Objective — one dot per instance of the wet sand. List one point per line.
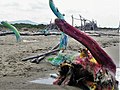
(113, 52)
(16, 74)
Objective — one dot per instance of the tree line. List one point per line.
(22, 25)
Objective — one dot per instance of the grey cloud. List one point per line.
(35, 6)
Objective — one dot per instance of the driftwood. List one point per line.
(44, 54)
(37, 60)
(30, 34)
(6, 33)
(53, 33)
(55, 47)
(46, 34)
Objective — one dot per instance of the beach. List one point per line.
(16, 74)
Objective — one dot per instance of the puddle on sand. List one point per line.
(46, 80)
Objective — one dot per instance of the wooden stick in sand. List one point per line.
(42, 56)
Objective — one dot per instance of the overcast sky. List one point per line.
(106, 12)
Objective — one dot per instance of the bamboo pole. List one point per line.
(39, 55)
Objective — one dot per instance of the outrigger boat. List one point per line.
(93, 69)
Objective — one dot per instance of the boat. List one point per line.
(93, 69)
